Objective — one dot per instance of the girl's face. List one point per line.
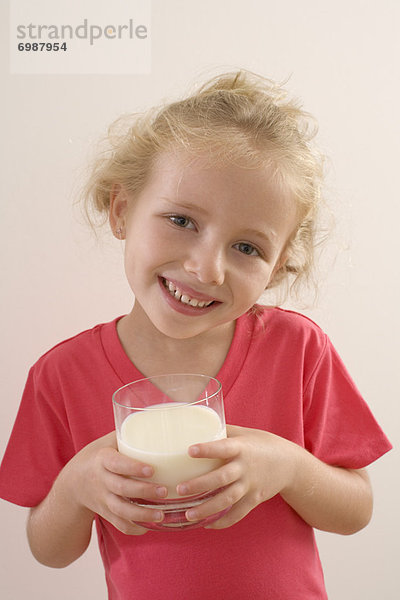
(202, 242)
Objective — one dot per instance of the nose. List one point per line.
(206, 262)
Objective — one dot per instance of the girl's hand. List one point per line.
(102, 480)
(258, 465)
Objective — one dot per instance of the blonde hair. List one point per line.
(237, 117)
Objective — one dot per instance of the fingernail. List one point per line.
(182, 489)
(161, 492)
(194, 450)
(158, 516)
(147, 471)
(191, 515)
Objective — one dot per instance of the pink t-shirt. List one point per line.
(282, 375)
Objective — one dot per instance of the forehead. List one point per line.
(187, 172)
(256, 193)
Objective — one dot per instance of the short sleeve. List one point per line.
(40, 443)
(339, 427)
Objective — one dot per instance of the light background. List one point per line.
(342, 59)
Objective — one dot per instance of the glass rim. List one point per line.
(178, 405)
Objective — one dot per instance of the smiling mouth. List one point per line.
(184, 298)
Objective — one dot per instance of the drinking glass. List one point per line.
(157, 419)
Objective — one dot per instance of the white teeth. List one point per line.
(176, 292)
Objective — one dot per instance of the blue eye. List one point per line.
(247, 249)
(180, 221)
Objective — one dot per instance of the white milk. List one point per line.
(161, 436)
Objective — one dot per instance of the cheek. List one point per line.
(253, 284)
(141, 249)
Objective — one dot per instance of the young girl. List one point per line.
(216, 197)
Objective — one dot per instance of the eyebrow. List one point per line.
(185, 205)
(261, 234)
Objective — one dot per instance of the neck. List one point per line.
(152, 352)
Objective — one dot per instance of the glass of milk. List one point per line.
(157, 419)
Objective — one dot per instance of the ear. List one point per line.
(280, 263)
(119, 203)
